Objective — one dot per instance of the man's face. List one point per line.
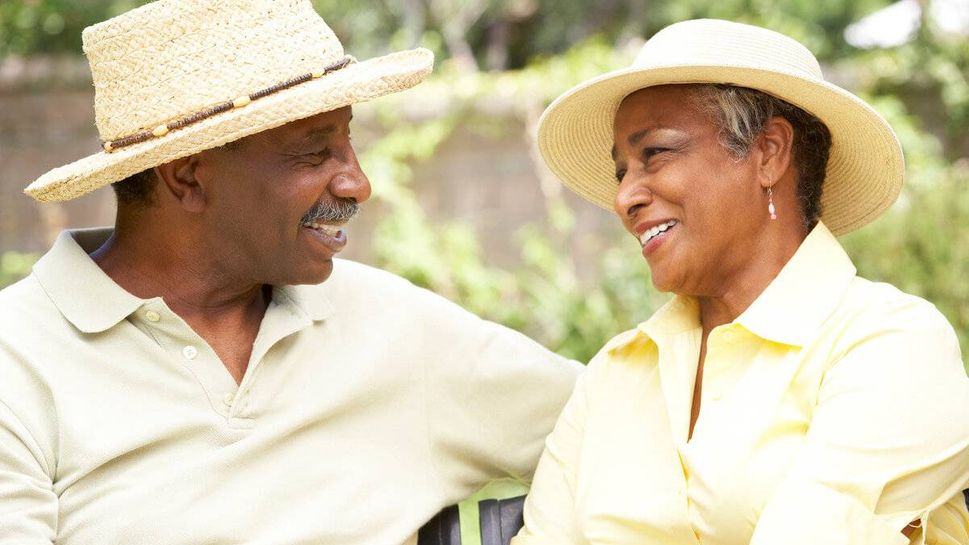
(276, 201)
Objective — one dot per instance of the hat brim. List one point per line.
(865, 166)
(358, 82)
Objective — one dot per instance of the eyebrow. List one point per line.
(633, 139)
(320, 133)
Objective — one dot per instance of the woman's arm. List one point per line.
(550, 507)
(888, 443)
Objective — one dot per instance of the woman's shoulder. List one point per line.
(883, 304)
(873, 312)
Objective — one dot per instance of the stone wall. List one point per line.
(490, 183)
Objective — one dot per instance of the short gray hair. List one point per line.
(742, 114)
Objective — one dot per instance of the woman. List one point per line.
(777, 399)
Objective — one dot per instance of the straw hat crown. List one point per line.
(865, 165)
(177, 77)
(168, 58)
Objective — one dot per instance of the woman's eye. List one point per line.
(620, 174)
(651, 152)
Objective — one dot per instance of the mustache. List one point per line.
(339, 211)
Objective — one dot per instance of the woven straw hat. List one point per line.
(865, 166)
(176, 77)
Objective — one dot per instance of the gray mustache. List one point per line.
(339, 211)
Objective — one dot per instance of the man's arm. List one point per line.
(28, 505)
(492, 396)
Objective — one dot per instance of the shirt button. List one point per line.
(152, 316)
(227, 399)
(190, 352)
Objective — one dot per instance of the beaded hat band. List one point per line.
(176, 77)
(240, 102)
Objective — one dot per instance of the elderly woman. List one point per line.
(778, 398)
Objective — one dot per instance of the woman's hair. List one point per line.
(742, 114)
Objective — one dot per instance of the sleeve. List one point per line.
(550, 517)
(28, 505)
(492, 396)
(888, 442)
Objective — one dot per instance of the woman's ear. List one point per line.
(776, 147)
(179, 182)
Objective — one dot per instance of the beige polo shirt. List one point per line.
(368, 405)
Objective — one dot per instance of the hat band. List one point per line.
(244, 100)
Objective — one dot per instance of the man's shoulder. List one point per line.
(365, 283)
(25, 310)
(23, 298)
(351, 273)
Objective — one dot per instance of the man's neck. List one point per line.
(216, 304)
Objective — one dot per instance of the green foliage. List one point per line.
(52, 26)
(921, 245)
(14, 266)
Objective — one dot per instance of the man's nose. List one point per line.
(352, 183)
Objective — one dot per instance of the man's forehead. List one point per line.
(322, 124)
(310, 129)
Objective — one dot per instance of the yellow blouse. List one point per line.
(834, 411)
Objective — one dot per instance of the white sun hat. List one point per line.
(176, 77)
(865, 167)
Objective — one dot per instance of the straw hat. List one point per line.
(176, 77)
(865, 167)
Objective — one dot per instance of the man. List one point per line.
(206, 372)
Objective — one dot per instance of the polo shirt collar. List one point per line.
(789, 311)
(86, 296)
(308, 300)
(805, 292)
(93, 302)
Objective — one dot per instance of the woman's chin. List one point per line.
(662, 283)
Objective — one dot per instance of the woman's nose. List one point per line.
(631, 196)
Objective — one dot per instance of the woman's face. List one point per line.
(696, 210)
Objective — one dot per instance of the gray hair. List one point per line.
(742, 114)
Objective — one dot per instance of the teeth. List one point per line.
(331, 230)
(652, 232)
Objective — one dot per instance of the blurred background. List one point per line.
(463, 205)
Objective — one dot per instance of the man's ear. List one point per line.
(776, 147)
(179, 182)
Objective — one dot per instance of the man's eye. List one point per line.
(316, 158)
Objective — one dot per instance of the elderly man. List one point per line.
(206, 372)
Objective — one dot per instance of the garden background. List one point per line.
(463, 205)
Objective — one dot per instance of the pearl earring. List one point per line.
(770, 204)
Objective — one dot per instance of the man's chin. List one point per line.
(317, 274)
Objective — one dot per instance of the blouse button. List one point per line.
(152, 316)
(190, 352)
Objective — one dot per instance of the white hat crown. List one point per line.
(711, 42)
(172, 58)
